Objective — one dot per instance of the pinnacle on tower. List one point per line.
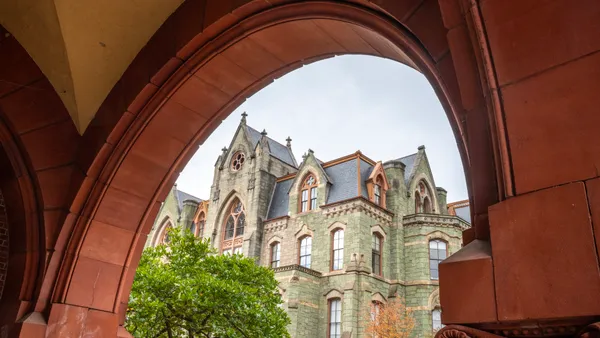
(264, 132)
(289, 142)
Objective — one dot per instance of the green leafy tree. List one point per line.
(186, 290)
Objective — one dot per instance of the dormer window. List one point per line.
(423, 199)
(377, 191)
(308, 194)
(377, 185)
(237, 161)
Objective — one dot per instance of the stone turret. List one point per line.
(396, 195)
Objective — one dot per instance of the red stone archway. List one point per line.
(93, 197)
(176, 113)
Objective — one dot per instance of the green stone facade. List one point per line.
(269, 186)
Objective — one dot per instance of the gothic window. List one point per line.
(437, 253)
(165, 234)
(377, 245)
(436, 319)
(237, 161)
(305, 251)
(308, 194)
(193, 228)
(335, 318)
(275, 254)
(234, 228)
(337, 254)
(423, 199)
(201, 224)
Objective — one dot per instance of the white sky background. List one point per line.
(340, 105)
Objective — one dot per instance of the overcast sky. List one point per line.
(340, 105)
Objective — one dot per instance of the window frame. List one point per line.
(333, 249)
(330, 302)
(273, 246)
(436, 310)
(309, 255)
(241, 160)
(438, 260)
(308, 194)
(379, 253)
(423, 194)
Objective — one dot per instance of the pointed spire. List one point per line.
(244, 115)
(289, 142)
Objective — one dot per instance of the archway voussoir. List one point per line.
(52, 146)
(121, 209)
(224, 74)
(426, 23)
(94, 284)
(200, 97)
(107, 243)
(142, 183)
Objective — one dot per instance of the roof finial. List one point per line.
(421, 147)
(264, 132)
(289, 142)
(244, 116)
(224, 149)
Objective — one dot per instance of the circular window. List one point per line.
(238, 161)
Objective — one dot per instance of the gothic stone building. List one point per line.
(342, 236)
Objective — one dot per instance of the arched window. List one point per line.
(337, 250)
(377, 248)
(234, 228)
(436, 319)
(201, 224)
(377, 191)
(335, 318)
(308, 194)
(375, 309)
(437, 253)
(304, 256)
(237, 160)
(426, 205)
(423, 199)
(164, 236)
(275, 254)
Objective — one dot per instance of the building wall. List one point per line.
(307, 291)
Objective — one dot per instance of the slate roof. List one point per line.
(464, 213)
(183, 196)
(277, 149)
(344, 184)
(280, 200)
(409, 162)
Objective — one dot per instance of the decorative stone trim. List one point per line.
(297, 267)
(435, 220)
(357, 205)
(276, 224)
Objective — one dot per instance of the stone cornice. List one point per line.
(297, 268)
(435, 220)
(358, 204)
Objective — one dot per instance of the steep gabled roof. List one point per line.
(409, 161)
(277, 149)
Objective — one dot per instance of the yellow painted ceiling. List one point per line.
(84, 46)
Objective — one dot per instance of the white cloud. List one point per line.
(340, 105)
